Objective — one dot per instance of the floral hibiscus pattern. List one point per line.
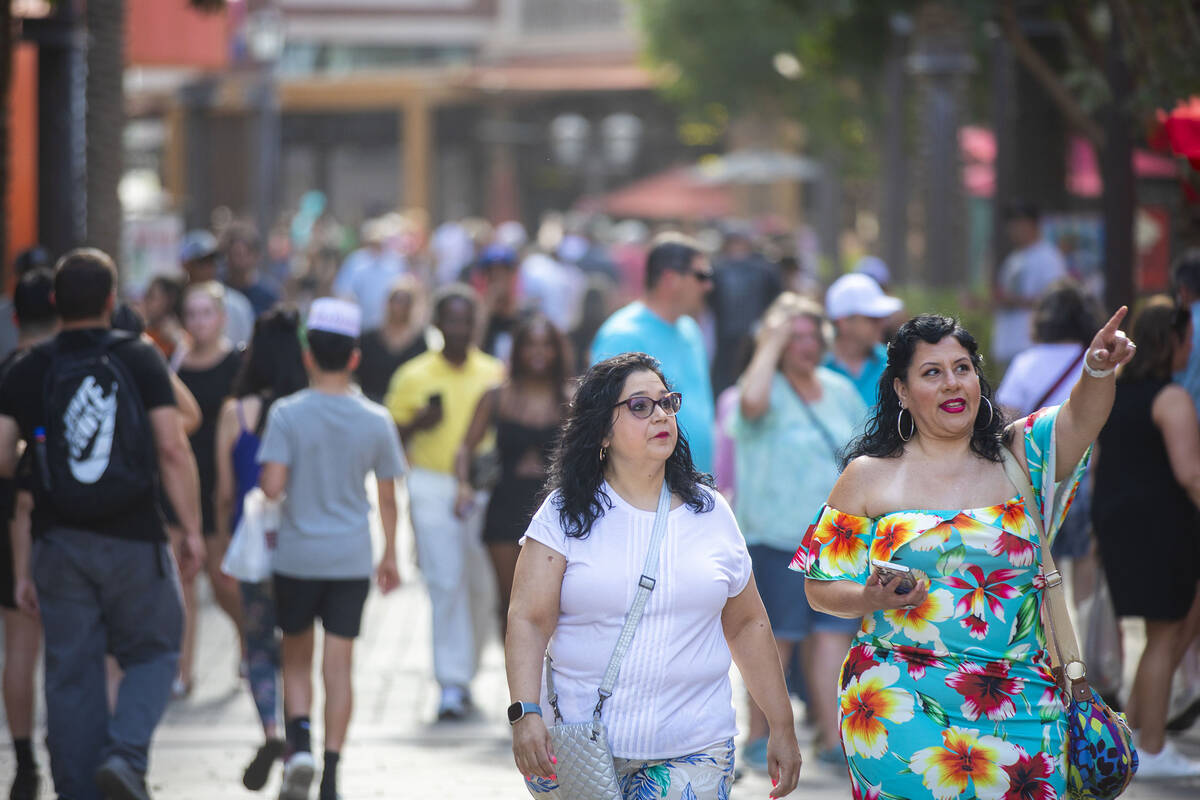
(952, 698)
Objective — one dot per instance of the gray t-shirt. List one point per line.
(329, 443)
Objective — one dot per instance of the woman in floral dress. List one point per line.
(947, 690)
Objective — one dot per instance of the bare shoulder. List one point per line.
(854, 490)
(1171, 403)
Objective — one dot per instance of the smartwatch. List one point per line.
(518, 710)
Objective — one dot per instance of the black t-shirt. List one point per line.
(22, 398)
(378, 363)
(210, 387)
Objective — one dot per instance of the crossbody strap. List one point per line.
(1062, 632)
(1066, 373)
(645, 586)
(830, 442)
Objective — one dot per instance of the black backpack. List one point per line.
(96, 456)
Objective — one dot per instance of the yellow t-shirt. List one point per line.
(461, 387)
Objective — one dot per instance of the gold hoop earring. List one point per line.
(912, 426)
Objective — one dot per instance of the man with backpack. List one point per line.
(97, 409)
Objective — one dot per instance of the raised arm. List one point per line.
(1175, 415)
(755, 383)
(748, 632)
(1085, 412)
(532, 618)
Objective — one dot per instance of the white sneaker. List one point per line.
(297, 776)
(1168, 763)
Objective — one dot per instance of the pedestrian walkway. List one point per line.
(395, 749)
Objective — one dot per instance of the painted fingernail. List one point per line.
(553, 777)
(553, 760)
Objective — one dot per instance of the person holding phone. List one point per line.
(432, 398)
(947, 689)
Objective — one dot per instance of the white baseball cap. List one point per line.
(858, 293)
(332, 315)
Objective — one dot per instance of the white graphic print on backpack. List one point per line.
(98, 457)
(89, 424)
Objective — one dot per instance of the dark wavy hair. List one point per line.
(575, 468)
(272, 366)
(881, 438)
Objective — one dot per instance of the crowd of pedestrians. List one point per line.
(542, 400)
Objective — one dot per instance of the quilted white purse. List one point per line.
(585, 762)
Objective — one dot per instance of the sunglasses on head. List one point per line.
(642, 407)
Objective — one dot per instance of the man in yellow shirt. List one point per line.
(432, 398)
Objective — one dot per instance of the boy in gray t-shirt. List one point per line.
(318, 448)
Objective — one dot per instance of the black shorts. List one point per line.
(338, 604)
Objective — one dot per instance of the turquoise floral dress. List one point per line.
(953, 698)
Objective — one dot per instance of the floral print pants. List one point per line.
(262, 649)
(706, 775)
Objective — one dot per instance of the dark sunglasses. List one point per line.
(642, 407)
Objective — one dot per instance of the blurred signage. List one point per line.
(150, 247)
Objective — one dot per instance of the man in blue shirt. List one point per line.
(678, 277)
(858, 309)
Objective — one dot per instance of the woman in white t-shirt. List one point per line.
(670, 718)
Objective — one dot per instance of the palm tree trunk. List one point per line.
(105, 122)
(7, 53)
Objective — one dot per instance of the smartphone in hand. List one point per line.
(888, 572)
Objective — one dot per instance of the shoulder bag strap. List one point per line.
(645, 586)
(830, 442)
(1062, 632)
(1066, 373)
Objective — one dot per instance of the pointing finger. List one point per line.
(1111, 326)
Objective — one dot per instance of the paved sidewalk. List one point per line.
(395, 750)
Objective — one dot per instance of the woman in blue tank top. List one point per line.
(272, 369)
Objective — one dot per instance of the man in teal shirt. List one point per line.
(858, 309)
(678, 276)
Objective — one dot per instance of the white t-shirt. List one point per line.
(1034, 371)
(1026, 273)
(673, 695)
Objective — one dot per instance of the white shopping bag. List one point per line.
(249, 555)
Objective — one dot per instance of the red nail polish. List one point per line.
(553, 760)
(553, 777)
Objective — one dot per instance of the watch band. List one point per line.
(518, 710)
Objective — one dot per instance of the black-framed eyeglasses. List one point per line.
(642, 407)
(704, 276)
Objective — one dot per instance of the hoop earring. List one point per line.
(912, 428)
(991, 411)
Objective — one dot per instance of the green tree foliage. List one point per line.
(720, 61)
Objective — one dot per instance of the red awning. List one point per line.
(677, 193)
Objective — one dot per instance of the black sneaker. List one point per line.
(1184, 719)
(119, 781)
(25, 785)
(256, 774)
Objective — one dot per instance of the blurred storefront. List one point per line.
(498, 108)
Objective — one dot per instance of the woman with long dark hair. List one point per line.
(525, 413)
(1148, 480)
(947, 689)
(272, 369)
(670, 717)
